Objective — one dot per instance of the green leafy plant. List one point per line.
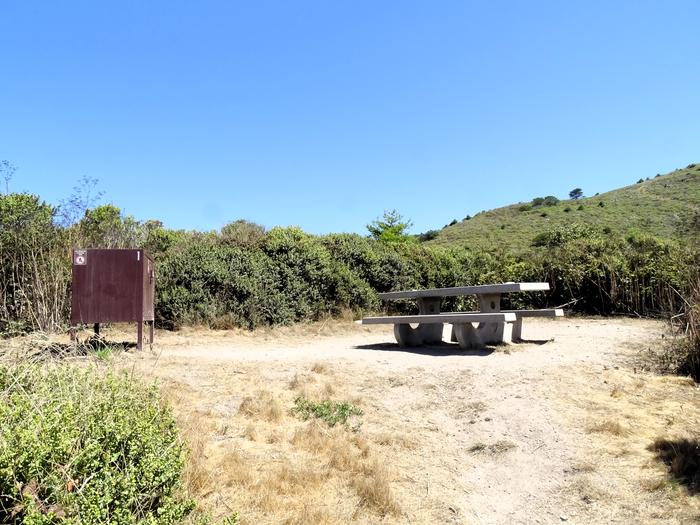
(83, 446)
(332, 412)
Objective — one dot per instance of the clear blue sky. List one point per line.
(323, 114)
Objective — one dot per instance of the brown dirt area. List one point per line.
(556, 429)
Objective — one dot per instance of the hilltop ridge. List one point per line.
(662, 206)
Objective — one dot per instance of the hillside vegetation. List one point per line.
(664, 206)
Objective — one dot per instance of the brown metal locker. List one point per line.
(113, 286)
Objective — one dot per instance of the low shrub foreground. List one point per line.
(84, 446)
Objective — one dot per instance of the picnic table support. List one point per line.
(517, 334)
(430, 333)
(406, 335)
(493, 332)
(467, 336)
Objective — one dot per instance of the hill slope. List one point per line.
(659, 206)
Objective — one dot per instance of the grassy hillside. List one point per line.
(662, 206)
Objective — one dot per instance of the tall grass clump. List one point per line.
(85, 446)
(689, 345)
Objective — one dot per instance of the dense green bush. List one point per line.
(561, 235)
(245, 276)
(82, 446)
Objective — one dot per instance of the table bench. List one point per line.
(495, 326)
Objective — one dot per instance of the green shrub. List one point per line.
(428, 236)
(562, 234)
(332, 412)
(82, 446)
(243, 233)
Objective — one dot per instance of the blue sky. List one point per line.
(323, 114)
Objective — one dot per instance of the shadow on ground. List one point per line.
(538, 342)
(444, 349)
(440, 350)
(94, 345)
(682, 457)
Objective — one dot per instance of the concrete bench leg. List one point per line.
(493, 333)
(431, 333)
(517, 334)
(467, 336)
(407, 336)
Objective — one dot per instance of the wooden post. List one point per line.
(150, 335)
(139, 336)
(97, 328)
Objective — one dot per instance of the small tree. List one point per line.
(576, 194)
(391, 227)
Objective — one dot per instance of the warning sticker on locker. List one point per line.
(80, 257)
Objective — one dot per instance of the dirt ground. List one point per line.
(553, 430)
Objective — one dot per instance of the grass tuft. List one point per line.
(332, 412)
(263, 405)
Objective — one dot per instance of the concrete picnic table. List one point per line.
(495, 325)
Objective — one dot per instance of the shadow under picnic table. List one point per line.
(437, 350)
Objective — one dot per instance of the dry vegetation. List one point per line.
(570, 428)
(250, 452)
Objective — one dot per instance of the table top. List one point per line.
(465, 290)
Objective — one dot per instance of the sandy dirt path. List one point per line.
(553, 430)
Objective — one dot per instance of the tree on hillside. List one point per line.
(391, 227)
(576, 193)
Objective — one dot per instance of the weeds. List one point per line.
(332, 412)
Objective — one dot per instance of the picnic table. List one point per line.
(495, 326)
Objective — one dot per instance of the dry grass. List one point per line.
(251, 432)
(263, 405)
(499, 447)
(608, 426)
(319, 368)
(373, 488)
(402, 453)
(620, 423)
(395, 439)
